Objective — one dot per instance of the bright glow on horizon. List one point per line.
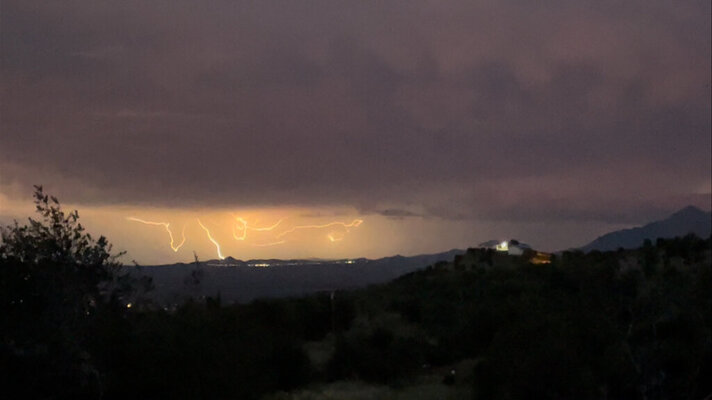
(262, 236)
(149, 244)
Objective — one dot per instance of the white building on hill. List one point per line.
(512, 247)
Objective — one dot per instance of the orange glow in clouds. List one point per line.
(262, 236)
(335, 237)
(353, 224)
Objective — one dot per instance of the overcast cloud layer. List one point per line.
(514, 110)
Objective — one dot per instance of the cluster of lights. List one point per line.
(240, 227)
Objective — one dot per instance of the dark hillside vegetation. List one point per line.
(627, 324)
(687, 220)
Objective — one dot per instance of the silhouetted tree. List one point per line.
(54, 277)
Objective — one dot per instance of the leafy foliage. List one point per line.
(54, 279)
(627, 324)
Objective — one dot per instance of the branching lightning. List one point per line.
(346, 226)
(167, 227)
(268, 236)
(243, 226)
(210, 237)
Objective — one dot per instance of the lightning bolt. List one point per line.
(346, 226)
(269, 228)
(245, 227)
(165, 225)
(240, 226)
(210, 237)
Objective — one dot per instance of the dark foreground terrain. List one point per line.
(627, 324)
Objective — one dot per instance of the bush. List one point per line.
(54, 279)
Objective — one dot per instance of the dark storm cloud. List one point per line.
(396, 213)
(465, 109)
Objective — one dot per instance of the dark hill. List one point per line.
(688, 220)
(242, 281)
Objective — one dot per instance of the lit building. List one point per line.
(512, 247)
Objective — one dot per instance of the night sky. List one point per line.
(437, 124)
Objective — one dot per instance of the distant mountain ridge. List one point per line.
(688, 220)
(243, 281)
